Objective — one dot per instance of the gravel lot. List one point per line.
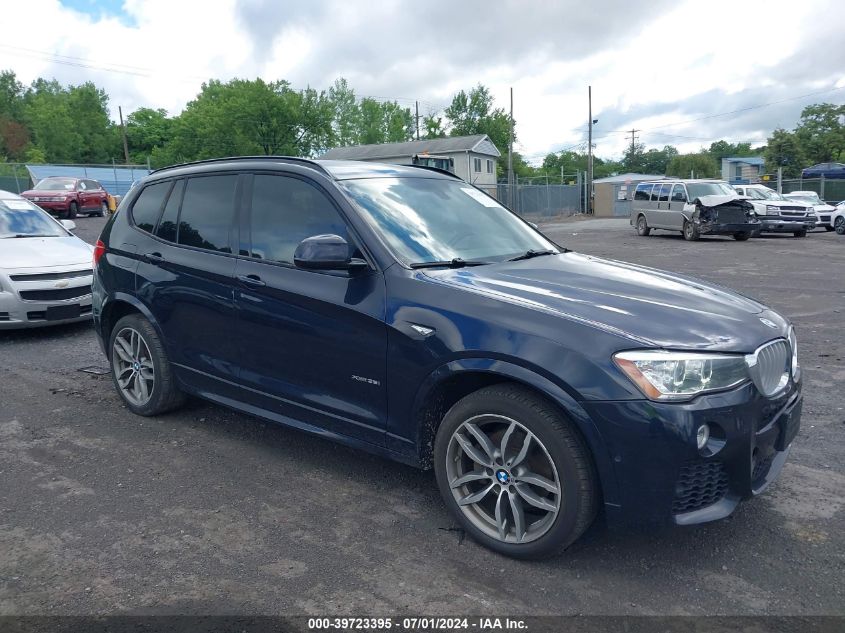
(209, 511)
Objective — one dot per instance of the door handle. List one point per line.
(251, 280)
(154, 258)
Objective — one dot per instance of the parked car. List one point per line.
(822, 210)
(777, 214)
(828, 170)
(693, 207)
(45, 270)
(401, 310)
(837, 218)
(68, 197)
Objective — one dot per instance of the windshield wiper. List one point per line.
(531, 253)
(457, 262)
(19, 235)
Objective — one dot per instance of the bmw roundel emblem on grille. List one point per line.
(768, 323)
(503, 477)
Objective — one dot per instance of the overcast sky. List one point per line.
(662, 67)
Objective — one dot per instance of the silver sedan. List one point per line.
(45, 270)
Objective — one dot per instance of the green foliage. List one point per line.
(784, 150)
(723, 149)
(821, 133)
(473, 113)
(700, 165)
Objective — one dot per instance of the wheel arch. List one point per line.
(114, 310)
(449, 383)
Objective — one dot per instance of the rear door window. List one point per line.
(147, 207)
(284, 212)
(166, 229)
(208, 211)
(664, 193)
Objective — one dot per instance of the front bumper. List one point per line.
(715, 228)
(771, 224)
(661, 475)
(65, 298)
(52, 206)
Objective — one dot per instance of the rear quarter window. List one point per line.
(643, 191)
(148, 205)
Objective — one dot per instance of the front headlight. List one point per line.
(793, 345)
(681, 375)
(772, 210)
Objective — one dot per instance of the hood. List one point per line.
(824, 208)
(715, 201)
(652, 307)
(44, 252)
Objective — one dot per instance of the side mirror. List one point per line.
(70, 225)
(326, 252)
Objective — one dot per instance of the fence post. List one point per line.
(17, 182)
(821, 195)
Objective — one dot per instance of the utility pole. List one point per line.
(510, 158)
(123, 132)
(633, 141)
(417, 119)
(590, 150)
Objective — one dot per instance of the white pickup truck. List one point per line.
(776, 213)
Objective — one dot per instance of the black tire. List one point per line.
(563, 446)
(691, 233)
(104, 209)
(800, 233)
(839, 225)
(828, 228)
(741, 236)
(165, 395)
(643, 228)
(72, 210)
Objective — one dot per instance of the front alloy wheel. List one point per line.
(133, 366)
(503, 479)
(515, 472)
(840, 225)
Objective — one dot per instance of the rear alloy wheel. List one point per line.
(72, 210)
(741, 236)
(839, 225)
(514, 472)
(800, 234)
(691, 233)
(642, 226)
(104, 209)
(140, 369)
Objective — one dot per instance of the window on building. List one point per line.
(476, 165)
(489, 166)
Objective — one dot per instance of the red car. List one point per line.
(68, 197)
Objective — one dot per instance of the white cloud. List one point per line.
(650, 63)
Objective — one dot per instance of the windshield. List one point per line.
(55, 184)
(21, 218)
(699, 189)
(434, 219)
(812, 199)
(762, 194)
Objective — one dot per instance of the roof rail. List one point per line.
(291, 159)
(439, 170)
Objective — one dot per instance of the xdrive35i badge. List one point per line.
(768, 323)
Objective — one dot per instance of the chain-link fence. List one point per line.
(541, 200)
(829, 190)
(18, 177)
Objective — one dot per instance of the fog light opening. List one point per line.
(702, 436)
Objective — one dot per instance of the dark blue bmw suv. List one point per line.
(400, 310)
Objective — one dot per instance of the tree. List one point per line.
(347, 114)
(146, 130)
(433, 126)
(821, 133)
(700, 165)
(723, 149)
(784, 150)
(473, 113)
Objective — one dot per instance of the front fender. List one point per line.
(551, 390)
